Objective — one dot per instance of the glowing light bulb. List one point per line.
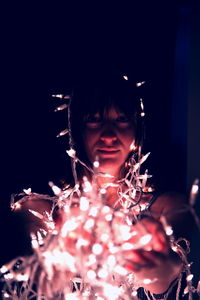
(169, 231)
(103, 273)
(133, 146)
(58, 96)
(194, 192)
(125, 77)
(145, 239)
(61, 96)
(89, 224)
(82, 242)
(87, 185)
(103, 191)
(105, 209)
(17, 206)
(63, 132)
(27, 191)
(71, 296)
(109, 217)
(36, 214)
(104, 237)
(6, 295)
(3, 269)
(127, 246)
(113, 249)
(120, 270)
(91, 260)
(8, 276)
(61, 107)
(147, 281)
(34, 242)
(111, 260)
(143, 207)
(96, 164)
(112, 292)
(125, 232)
(22, 277)
(93, 211)
(71, 152)
(84, 204)
(56, 190)
(69, 225)
(97, 249)
(91, 274)
(138, 84)
(134, 293)
(195, 188)
(189, 277)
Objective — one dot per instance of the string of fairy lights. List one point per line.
(87, 253)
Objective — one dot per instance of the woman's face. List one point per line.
(109, 137)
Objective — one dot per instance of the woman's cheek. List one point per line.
(89, 139)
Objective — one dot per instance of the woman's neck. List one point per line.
(111, 186)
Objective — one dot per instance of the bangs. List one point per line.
(99, 100)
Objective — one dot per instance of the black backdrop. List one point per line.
(47, 48)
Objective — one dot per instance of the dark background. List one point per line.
(46, 48)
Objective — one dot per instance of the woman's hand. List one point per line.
(154, 264)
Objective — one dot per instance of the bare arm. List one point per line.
(161, 265)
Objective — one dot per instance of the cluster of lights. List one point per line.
(83, 255)
(92, 240)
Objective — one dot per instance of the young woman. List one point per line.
(112, 130)
(106, 125)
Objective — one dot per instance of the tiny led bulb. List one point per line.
(63, 132)
(189, 277)
(147, 281)
(71, 152)
(91, 274)
(145, 239)
(96, 164)
(84, 204)
(97, 249)
(140, 83)
(125, 77)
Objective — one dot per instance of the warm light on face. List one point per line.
(110, 138)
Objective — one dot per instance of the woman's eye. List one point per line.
(93, 121)
(123, 122)
(122, 119)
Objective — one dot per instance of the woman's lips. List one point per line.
(108, 151)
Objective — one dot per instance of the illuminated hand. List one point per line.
(150, 245)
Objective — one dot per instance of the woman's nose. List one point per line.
(108, 134)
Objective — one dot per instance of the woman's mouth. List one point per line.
(107, 151)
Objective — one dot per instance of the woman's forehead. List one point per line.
(104, 108)
(110, 112)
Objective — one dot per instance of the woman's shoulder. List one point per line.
(166, 201)
(175, 208)
(35, 209)
(38, 202)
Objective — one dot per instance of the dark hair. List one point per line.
(90, 100)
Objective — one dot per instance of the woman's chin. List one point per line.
(109, 167)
